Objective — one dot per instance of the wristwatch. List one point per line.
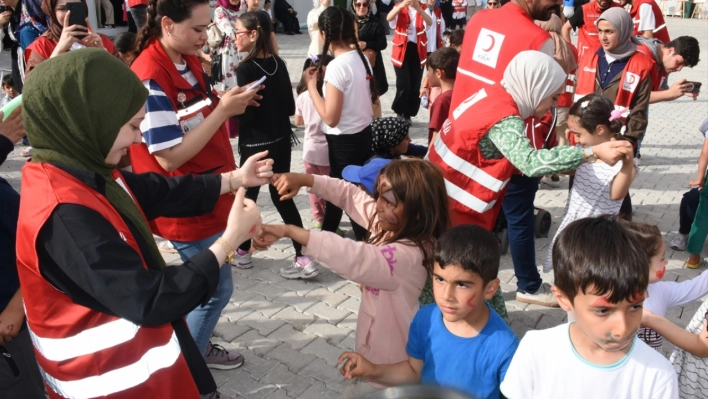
(230, 254)
(589, 154)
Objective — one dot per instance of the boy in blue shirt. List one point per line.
(459, 342)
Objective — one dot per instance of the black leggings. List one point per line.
(345, 150)
(408, 77)
(280, 152)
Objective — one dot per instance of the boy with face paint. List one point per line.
(598, 355)
(459, 342)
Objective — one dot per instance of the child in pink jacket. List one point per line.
(408, 212)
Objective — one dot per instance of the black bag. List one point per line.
(216, 73)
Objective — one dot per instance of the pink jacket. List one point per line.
(393, 274)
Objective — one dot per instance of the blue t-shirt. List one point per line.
(475, 366)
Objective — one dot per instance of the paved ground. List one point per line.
(291, 332)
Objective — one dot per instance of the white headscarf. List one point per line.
(530, 77)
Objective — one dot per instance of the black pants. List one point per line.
(345, 150)
(408, 78)
(280, 152)
(458, 23)
(289, 21)
(446, 10)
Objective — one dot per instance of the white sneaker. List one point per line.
(302, 267)
(543, 296)
(679, 243)
(242, 260)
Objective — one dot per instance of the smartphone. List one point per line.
(255, 85)
(78, 15)
(695, 87)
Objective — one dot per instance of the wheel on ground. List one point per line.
(542, 223)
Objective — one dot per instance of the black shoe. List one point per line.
(298, 32)
(289, 33)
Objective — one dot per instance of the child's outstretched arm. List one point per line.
(400, 373)
(702, 165)
(696, 345)
(621, 182)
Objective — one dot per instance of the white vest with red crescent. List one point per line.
(81, 352)
(475, 185)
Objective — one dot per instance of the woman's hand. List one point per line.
(288, 184)
(612, 151)
(310, 76)
(69, 36)
(93, 39)
(235, 101)
(5, 18)
(697, 183)
(256, 171)
(270, 234)
(244, 220)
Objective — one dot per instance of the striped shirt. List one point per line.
(161, 128)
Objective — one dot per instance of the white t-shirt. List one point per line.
(411, 31)
(432, 30)
(546, 366)
(647, 20)
(314, 148)
(348, 74)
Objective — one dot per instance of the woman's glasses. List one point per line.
(492, 3)
(360, 5)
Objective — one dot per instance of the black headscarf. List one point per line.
(387, 133)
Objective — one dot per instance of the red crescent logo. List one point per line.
(491, 45)
(631, 79)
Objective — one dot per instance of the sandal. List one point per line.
(700, 264)
(166, 246)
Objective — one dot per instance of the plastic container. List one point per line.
(424, 101)
(9, 107)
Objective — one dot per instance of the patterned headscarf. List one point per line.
(387, 133)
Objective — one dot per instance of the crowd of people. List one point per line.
(131, 140)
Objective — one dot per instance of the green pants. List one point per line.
(699, 228)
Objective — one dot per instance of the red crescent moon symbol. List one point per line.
(631, 79)
(491, 46)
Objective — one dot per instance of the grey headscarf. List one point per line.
(620, 19)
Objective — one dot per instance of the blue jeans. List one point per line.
(519, 212)
(203, 319)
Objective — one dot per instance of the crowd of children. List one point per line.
(426, 257)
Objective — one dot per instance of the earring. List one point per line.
(168, 33)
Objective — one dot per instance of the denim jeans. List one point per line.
(203, 319)
(518, 209)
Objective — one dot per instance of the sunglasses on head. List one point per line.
(357, 5)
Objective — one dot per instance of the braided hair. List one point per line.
(338, 26)
(176, 10)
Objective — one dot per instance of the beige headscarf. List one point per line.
(563, 53)
(530, 77)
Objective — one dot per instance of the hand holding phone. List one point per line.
(257, 84)
(695, 87)
(77, 16)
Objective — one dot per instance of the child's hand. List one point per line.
(270, 233)
(287, 184)
(356, 365)
(310, 75)
(696, 183)
(423, 92)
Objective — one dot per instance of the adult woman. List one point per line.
(313, 29)
(83, 227)
(225, 15)
(286, 15)
(486, 140)
(25, 22)
(58, 40)
(180, 103)
(372, 38)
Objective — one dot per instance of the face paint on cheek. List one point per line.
(253, 229)
(660, 273)
(471, 305)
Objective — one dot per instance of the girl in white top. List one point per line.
(598, 188)
(313, 29)
(348, 87)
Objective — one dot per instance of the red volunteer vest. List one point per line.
(400, 37)
(133, 3)
(658, 76)
(475, 185)
(639, 67)
(566, 98)
(83, 353)
(439, 20)
(216, 157)
(588, 40)
(660, 32)
(459, 6)
(492, 39)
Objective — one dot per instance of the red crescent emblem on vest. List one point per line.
(631, 79)
(491, 45)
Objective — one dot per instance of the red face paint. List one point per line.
(638, 297)
(601, 302)
(471, 305)
(253, 229)
(660, 273)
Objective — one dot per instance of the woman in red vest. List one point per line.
(105, 315)
(57, 40)
(409, 53)
(184, 133)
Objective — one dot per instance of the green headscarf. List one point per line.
(73, 107)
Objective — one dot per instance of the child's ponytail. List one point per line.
(594, 110)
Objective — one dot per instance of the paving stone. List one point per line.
(283, 378)
(348, 343)
(351, 304)
(351, 290)
(267, 290)
(294, 360)
(261, 304)
(330, 314)
(236, 314)
(349, 322)
(257, 343)
(326, 373)
(278, 394)
(519, 328)
(296, 339)
(263, 324)
(240, 296)
(301, 287)
(256, 366)
(323, 350)
(333, 334)
(318, 390)
(228, 331)
(300, 303)
(298, 320)
(244, 386)
(332, 299)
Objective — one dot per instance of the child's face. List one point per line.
(253, 5)
(433, 76)
(582, 135)
(389, 209)
(10, 91)
(460, 293)
(657, 264)
(245, 39)
(402, 147)
(609, 326)
(266, 6)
